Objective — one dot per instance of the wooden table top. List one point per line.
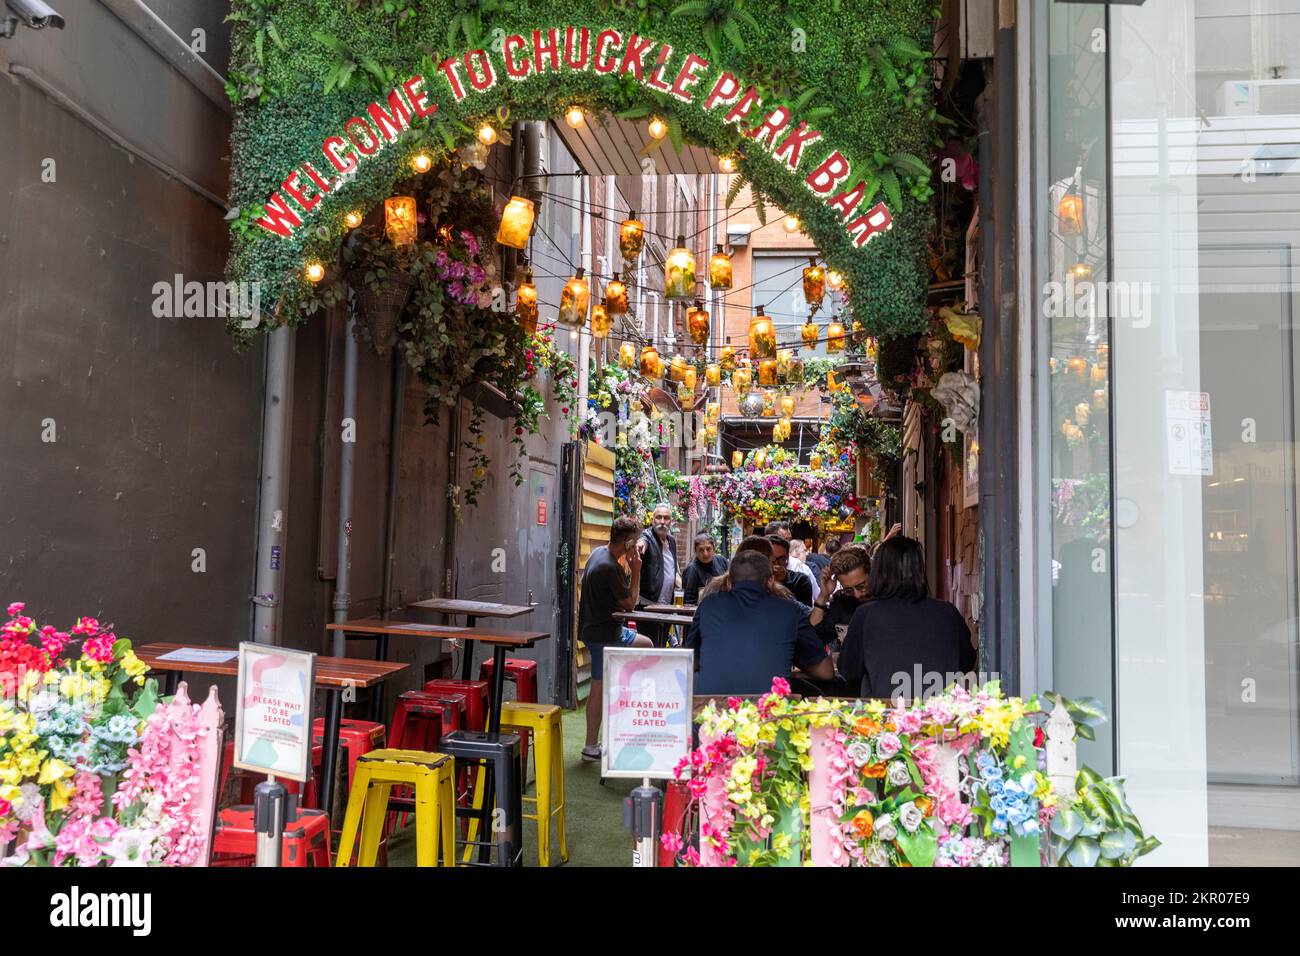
(330, 671)
(686, 609)
(654, 617)
(472, 608)
(376, 625)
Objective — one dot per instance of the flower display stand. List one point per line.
(179, 711)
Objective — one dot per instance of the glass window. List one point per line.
(778, 287)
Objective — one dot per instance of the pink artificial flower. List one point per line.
(16, 608)
(86, 626)
(733, 703)
(780, 686)
(99, 648)
(88, 797)
(691, 857)
(907, 721)
(672, 842)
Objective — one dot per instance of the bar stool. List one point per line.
(499, 753)
(477, 698)
(305, 840)
(358, 736)
(677, 805)
(430, 774)
(542, 721)
(421, 718)
(520, 670)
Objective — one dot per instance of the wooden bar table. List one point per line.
(655, 617)
(333, 675)
(687, 610)
(472, 610)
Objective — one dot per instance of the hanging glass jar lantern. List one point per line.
(712, 411)
(834, 338)
(751, 406)
(526, 302)
(697, 323)
(601, 321)
(727, 357)
(720, 269)
(679, 272)
(711, 431)
(783, 357)
(760, 458)
(575, 297)
(742, 378)
(1069, 213)
(650, 364)
(690, 377)
(685, 396)
(810, 332)
(516, 223)
(399, 220)
(616, 296)
(713, 375)
(767, 372)
(762, 338)
(815, 461)
(627, 355)
(833, 384)
(677, 369)
(769, 403)
(835, 280)
(794, 374)
(787, 406)
(737, 459)
(814, 283)
(631, 237)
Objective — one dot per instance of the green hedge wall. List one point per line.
(858, 79)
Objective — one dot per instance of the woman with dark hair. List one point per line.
(903, 641)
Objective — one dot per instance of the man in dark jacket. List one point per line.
(706, 566)
(659, 572)
(850, 569)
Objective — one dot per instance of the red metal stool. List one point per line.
(248, 781)
(306, 840)
(677, 803)
(358, 736)
(522, 672)
(420, 719)
(477, 698)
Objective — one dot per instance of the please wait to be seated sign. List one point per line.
(647, 710)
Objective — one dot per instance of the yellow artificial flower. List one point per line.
(61, 793)
(781, 844)
(12, 793)
(134, 667)
(54, 770)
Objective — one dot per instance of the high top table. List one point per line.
(472, 610)
(333, 675)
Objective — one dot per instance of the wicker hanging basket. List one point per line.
(379, 305)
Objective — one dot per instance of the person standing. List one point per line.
(610, 583)
(747, 635)
(660, 576)
(706, 566)
(796, 582)
(902, 631)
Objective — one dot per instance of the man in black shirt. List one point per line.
(850, 570)
(706, 566)
(796, 582)
(610, 583)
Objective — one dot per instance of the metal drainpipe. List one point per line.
(347, 456)
(277, 420)
(588, 257)
(394, 464)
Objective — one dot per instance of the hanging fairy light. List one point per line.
(422, 162)
(651, 364)
(720, 269)
(516, 223)
(697, 323)
(353, 218)
(811, 333)
(657, 128)
(762, 339)
(399, 220)
(713, 375)
(727, 357)
(574, 300)
(601, 321)
(314, 272)
(726, 164)
(627, 356)
(679, 272)
(574, 116)
(616, 296)
(814, 283)
(631, 237)
(791, 224)
(487, 134)
(835, 280)
(526, 302)
(1081, 270)
(834, 337)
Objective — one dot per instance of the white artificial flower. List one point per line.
(877, 855)
(885, 829)
(898, 774)
(910, 816)
(859, 752)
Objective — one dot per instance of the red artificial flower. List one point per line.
(1039, 736)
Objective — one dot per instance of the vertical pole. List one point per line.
(347, 452)
(641, 812)
(277, 419)
(269, 814)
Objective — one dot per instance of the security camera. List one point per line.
(35, 14)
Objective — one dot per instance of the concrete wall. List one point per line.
(156, 420)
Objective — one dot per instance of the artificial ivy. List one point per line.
(858, 71)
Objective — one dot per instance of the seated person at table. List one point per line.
(746, 636)
(722, 582)
(849, 568)
(706, 566)
(610, 583)
(902, 631)
(796, 582)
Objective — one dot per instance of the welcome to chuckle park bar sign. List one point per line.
(609, 52)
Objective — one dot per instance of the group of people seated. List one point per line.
(847, 623)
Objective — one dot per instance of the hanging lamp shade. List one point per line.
(616, 296)
(575, 298)
(679, 273)
(651, 366)
(526, 302)
(810, 332)
(399, 220)
(727, 357)
(627, 355)
(601, 321)
(631, 237)
(814, 283)
(713, 375)
(1069, 214)
(720, 269)
(741, 378)
(834, 338)
(697, 323)
(516, 223)
(762, 337)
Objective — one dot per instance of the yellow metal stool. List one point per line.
(433, 779)
(543, 722)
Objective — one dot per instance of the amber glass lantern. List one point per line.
(631, 237)
(711, 412)
(679, 272)
(794, 372)
(833, 384)
(719, 269)
(835, 280)
(616, 296)
(713, 375)
(399, 220)
(767, 372)
(677, 369)
(516, 223)
(769, 403)
(601, 321)
(737, 459)
(834, 338)
(815, 461)
(697, 323)
(526, 303)
(787, 406)
(727, 357)
(814, 283)
(762, 337)
(575, 297)
(685, 395)
(627, 355)
(651, 366)
(711, 431)
(742, 378)
(810, 332)
(1069, 213)
(760, 458)
(690, 377)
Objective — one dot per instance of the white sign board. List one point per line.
(1187, 433)
(273, 714)
(647, 710)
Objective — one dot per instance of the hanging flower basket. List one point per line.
(380, 303)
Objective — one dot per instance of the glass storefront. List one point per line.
(1168, 210)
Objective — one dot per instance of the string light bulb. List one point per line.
(574, 116)
(791, 224)
(422, 162)
(314, 272)
(487, 134)
(835, 280)
(726, 164)
(658, 129)
(352, 219)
